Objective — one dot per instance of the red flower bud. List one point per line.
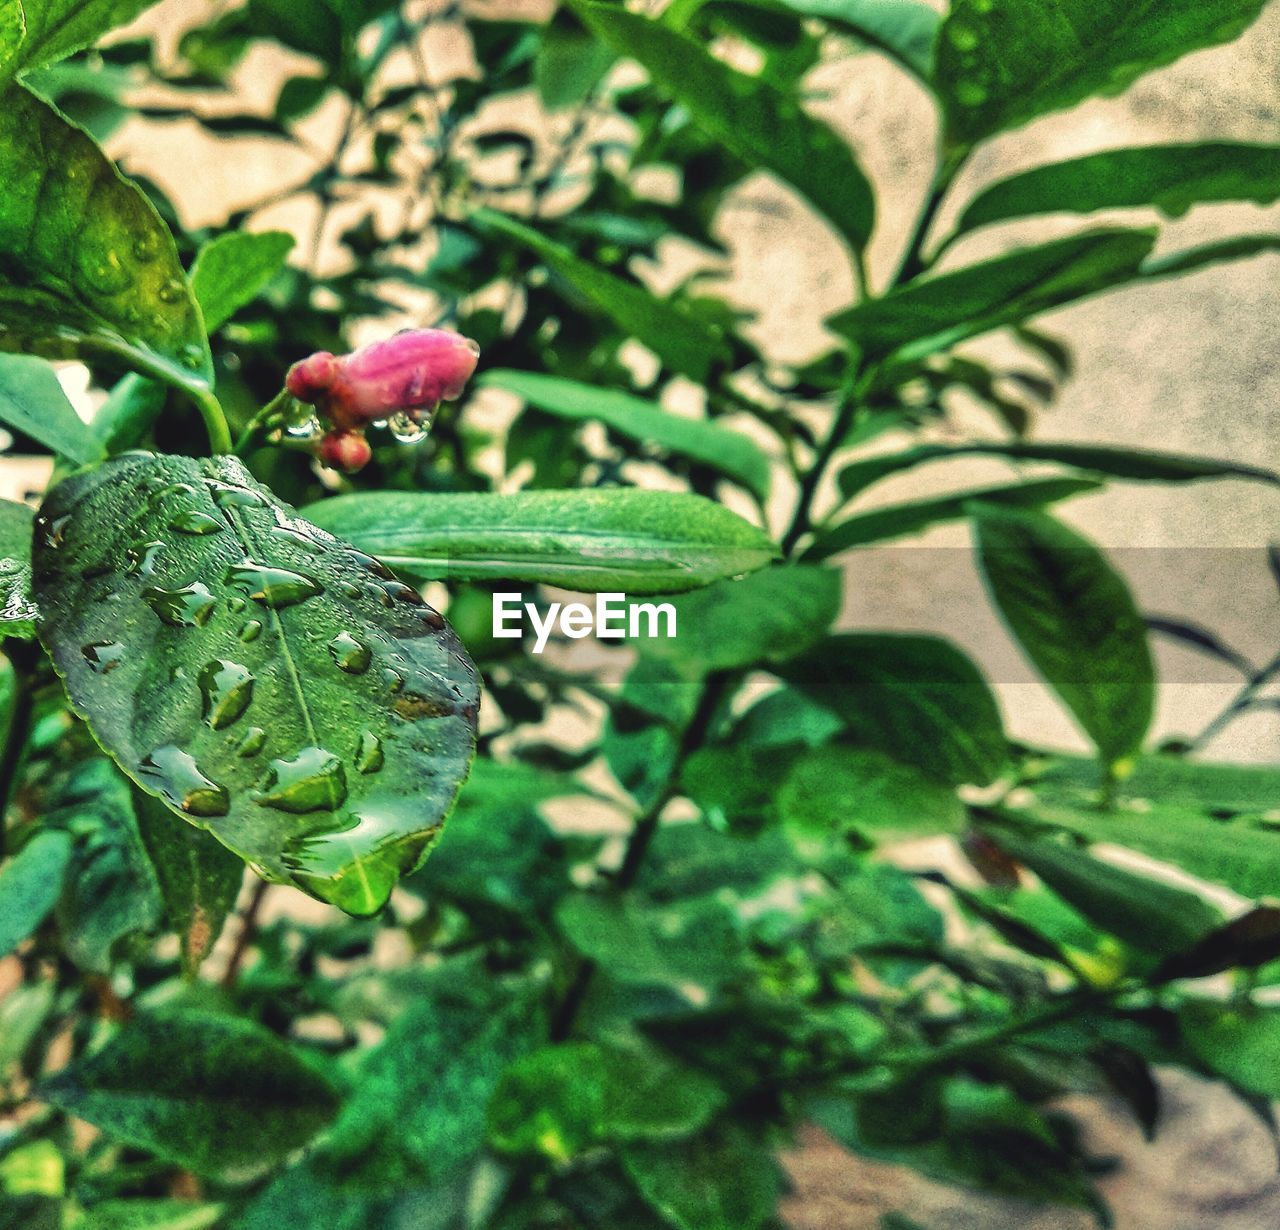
(410, 371)
(347, 451)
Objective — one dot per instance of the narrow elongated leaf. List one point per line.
(29, 886)
(233, 269)
(1239, 1041)
(1172, 178)
(150, 1215)
(762, 125)
(643, 542)
(1004, 62)
(915, 698)
(927, 316)
(266, 681)
(1189, 260)
(899, 520)
(34, 32)
(569, 63)
(728, 451)
(1136, 465)
(84, 257)
(1075, 619)
(17, 608)
(685, 342)
(905, 30)
(217, 1094)
(32, 402)
(1147, 913)
(199, 878)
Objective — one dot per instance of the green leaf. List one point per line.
(150, 1215)
(685, 342)
(924, 317)
(569, 62)
(1172, 178)
(231, 270)
(199, 878)
(1239, 1041)
(1004, 62)
(905, 30)
(1189, 260)
(110, 892)
(733, 454)
(769, 616)
(32, 402)
(650, 1096)
(835, 789)
(550, 1102)
(898, 520)
(1075, 619)
(266, 681)
(217, 1094)
(123, 420)
(639, 542)
(87, 259)
(762, 125)
(34, 32)
(1136, 465)
(1149, 914)
(721, 1180)
(918, 699)
(29, 886)
(18, 613)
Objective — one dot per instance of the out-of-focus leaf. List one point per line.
(899, 520)
(233, 269)
(150, 1215)
(35, 32)
(640, 542)
(324, 716)
(1075, 619)
(87, 259)
(550, 1102)
(763, 126)
(1241, 1042)
(216, 1094)
(1172, 178)
(32, 402)
(733, 454)
(1240, 247)
(1003, 62)
(29, 886)
(570, 62)
(918, 699)
(123, 420)
(1246, 942)
(684, 341)
(905, 30)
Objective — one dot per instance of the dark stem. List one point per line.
(248, 933)
(802, 522)
(913, 261)
(1238, 704)
(24, 657)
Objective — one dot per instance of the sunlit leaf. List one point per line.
(233, 269)
(34, 32)
(905, 30)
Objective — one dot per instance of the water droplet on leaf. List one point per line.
(251, 631)
(369, 754)
(312, 781)
(407, 428)
(351, 655)
(254, 741)
(273, 587)
(227, 689)
(188, 607)
(103, 656)
(174, 774)
(193, 521)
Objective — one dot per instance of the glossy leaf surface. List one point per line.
(266, 681)
(233, 269)
(99, 268)
(642, 542)
(17, 607)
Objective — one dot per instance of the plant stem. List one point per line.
(913, 262)
(23, 656)
(248, 932)
(802, 521)
(215, 420)
(1238, 704)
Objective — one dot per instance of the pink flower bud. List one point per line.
(347, 451)
(410, 371)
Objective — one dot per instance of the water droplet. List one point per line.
(142, 558)
(251, 630)
(369, 564)
(225, 495)
(146, 248)
(312, 781)
(55, 531)
(273, 587)
(193, 521)
(103, 656)
(431, 617)
(299, 538)
(963, 37)
(235, 604)
(174, 774)
(413, 705)
(393, 679)
(102, 271)
(369, 754)
(192, 357)
(349, 590)
(351, 655)
(188, 607)
(171, 292)
(227, 688)
(255, 739)
(407, 428)
(304, 429)
(399, 591)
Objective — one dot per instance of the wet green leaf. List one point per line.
(233, 269)
(29, 886)
(762, 125)
(1003, 62)
(87, 261)
(269, 683)
(926, 316)
(1074, 618)
(728, 451)
(639, 542)
(685, 342)
(217, 1094)
(18, 611)
(1172, 178)
(34, 32)
(32, 402)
